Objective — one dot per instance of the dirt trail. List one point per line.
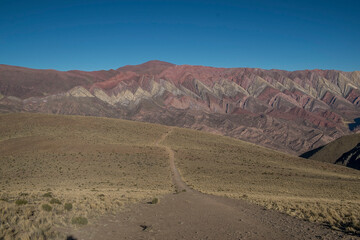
(190, 214)
(176, 177)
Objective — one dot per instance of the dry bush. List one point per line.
(46, 207)
(154, 201)
(68, 206)
(55, 201)
(79, 221)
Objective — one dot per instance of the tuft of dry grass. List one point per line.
(21, 202)
(55, 201)
(68, 206)
(79, 221)
(48, 194)
(307, 189)
(46, 207)
(154, 201)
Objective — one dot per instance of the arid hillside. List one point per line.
(63, 171)
(344, 151)
(289, 111)
(94, 165)
(308, 189)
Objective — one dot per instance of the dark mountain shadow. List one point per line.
(311, 152)
(355, 124)
(351, 158)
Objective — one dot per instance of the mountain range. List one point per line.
(291, 111)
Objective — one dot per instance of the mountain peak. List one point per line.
(157, 62)
(153, 67)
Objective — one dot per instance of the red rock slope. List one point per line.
(289, 111)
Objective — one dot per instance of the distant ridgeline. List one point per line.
(293, 112)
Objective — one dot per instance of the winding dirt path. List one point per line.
(193, 215)
(175, 175)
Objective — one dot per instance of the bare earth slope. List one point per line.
(109, 169)
(289, 111)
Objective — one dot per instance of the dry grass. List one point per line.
(307, 189)
(92, 166)
(97, 165)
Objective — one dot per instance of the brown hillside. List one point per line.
(100, 165)
(333, 151)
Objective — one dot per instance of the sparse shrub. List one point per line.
(68, 206)
(154, 201)
(48, 194)
(55, 201)
(177, 191)
(21, 202)
(101, 195)
(46, 207)
(79, 221)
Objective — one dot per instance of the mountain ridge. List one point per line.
(292, 111)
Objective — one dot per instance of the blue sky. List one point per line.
(93, 35)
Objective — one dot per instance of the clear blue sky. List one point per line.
(93, 34)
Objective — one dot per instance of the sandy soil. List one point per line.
(188, 214)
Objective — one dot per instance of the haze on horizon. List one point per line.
(94, 34)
